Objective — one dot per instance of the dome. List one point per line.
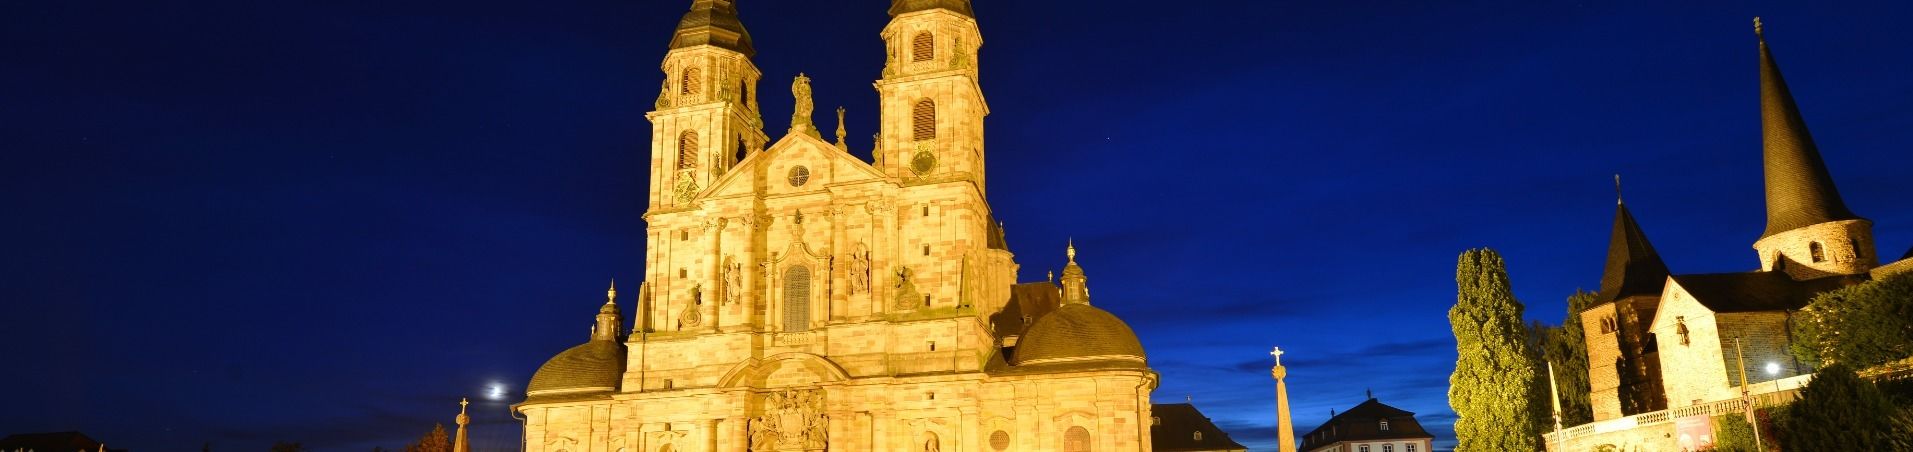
(1078, 332)
(594, 366)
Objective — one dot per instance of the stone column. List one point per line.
(966, 431)
(736, 435)
(880, 429)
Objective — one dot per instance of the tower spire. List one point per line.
(713, 22)
(1618, 199)
(1633, 267)
(1800, 192)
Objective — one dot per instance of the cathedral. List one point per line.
(797, 297)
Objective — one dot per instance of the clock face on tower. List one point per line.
(923, 163)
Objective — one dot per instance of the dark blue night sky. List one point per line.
(241, 222)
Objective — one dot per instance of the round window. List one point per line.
(799, 176)
(1000, 440)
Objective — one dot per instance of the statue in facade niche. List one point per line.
(859, 270)
(733, 281)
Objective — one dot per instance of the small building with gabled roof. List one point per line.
(1370, 426)
(1179, 427)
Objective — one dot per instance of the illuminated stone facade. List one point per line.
(798, 297)
(1658, 341)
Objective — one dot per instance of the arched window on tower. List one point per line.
(923, 47)
(1818, 251)
(1076, 439)
(689, 84)
(687, 150)
(1858, 252)
(797, 299)
(923, 121)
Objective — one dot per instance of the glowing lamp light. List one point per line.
(1773, 368)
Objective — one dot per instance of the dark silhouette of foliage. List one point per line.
(1566, 348)
(433, 441)
(1840, 411)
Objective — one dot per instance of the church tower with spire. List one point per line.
(932, 105)
(1624, 375)
(1810, 232)
(706, 117)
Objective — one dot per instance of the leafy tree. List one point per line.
(1840, 411)
(288, 447)
(433, 441)
(1860, 326)
(1494, 388)
(1732, 433)
(1569, 353)
(1566, 348)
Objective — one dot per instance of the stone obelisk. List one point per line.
(1284, 432)
(458, 443)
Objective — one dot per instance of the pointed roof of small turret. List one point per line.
(900, 7)
(1800, 192)
(713, 22)
(1633, 267)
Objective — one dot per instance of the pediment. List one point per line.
(823, 164)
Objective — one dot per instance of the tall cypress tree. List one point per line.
(1493, 389)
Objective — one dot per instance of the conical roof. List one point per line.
(1633, 267)
(1800, 192)
(900, 7)
(715, 23)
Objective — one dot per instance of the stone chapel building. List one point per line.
(800, 298)
(1658, 341)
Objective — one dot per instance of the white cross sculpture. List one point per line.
(1277, 353)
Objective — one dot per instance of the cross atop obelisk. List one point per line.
(459, 443)
(1285, 430)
